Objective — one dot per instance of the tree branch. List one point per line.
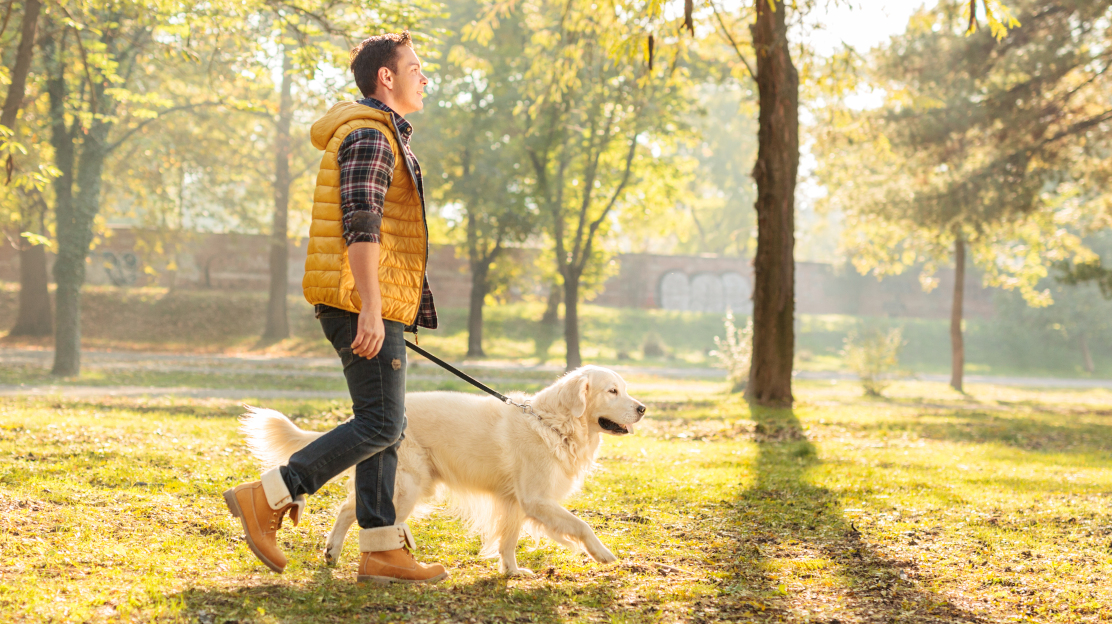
(127, 135)
(730, 38)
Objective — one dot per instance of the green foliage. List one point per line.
(998, 141)
(873, 355)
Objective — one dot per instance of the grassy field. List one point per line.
(152, 319)
(928, 506)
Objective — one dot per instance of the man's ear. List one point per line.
(385, 78)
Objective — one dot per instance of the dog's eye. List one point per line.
(613, 391)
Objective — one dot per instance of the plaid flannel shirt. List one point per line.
(366, 171)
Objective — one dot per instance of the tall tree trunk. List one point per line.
(957, 342)
(571, 319)
(480, 271)
(75, 234)
(770, 376)
(61, 138)
(34, 317)
(277, 322)
(1083, 342)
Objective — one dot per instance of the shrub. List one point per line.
(873, 354)
(652, 345)
(735, 352)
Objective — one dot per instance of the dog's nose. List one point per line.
(641, 410)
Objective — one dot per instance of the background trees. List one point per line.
(976, 148)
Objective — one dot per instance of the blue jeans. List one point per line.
(371, 439)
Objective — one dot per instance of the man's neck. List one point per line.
(389, 102)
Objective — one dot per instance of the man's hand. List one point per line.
(368, 340)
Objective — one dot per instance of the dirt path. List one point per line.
(421, 369)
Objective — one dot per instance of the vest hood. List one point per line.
(325, 127)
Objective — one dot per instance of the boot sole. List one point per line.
(233, 506)
(386, 580)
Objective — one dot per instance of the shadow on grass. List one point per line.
(330, 599)
(1046, 433)
(799, 559)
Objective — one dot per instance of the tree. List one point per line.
(472, 143)
(35, 317)
(975, 148)
(102, 82)
(593, 119)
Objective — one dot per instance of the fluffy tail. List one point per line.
(271, 437)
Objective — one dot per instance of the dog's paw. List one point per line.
(520, 572)
(604, 555)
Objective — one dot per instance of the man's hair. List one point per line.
(373, 54)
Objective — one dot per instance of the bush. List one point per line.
(873, 354)
(652, 345)
(735, 352)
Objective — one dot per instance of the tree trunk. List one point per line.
(770, 376)
(67, 327)
(277, 322)
(479, 284)
(1083, 342)
(571, 320)
(23, 56)
(75, 234)
(957, 342)
(551, 314)
(35, 317)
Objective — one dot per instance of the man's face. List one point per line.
(407, 86)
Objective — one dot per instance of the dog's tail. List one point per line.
(271, 437)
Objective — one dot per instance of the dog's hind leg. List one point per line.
(563, 526)
(508, 530)
(344, 519)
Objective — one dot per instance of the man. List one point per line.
(365, 274)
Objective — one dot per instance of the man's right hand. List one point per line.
(371, 334)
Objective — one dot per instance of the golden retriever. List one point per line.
(504, 469)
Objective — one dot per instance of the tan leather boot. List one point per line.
(386, 557)
(260, 507)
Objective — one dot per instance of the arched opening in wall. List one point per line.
(739, 293)
(675, 291)
(707, 294)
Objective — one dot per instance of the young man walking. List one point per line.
(365, 273)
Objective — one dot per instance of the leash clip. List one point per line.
(524, 407)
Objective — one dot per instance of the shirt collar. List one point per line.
(404, 127)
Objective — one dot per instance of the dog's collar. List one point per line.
(526, 408)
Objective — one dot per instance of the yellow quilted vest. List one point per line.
(404, 235)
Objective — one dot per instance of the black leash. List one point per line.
(468, 378)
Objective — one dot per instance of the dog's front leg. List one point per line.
(344, 519)
(509, 530)
(563, 524)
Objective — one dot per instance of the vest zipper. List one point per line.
(424, 221)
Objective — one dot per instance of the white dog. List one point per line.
(505, 469)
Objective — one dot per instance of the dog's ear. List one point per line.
(568, 395)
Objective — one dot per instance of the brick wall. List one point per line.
(698, 283)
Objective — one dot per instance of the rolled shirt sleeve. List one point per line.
(366, 171)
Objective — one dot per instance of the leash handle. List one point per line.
(462, 375)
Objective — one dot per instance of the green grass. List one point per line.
(928, 506)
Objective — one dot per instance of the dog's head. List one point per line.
(596, 395)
